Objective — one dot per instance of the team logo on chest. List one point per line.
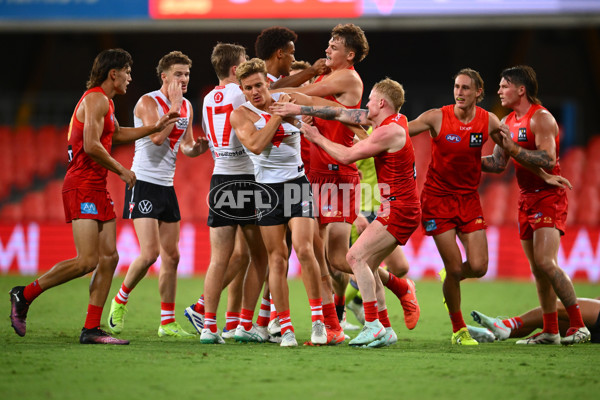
(476, 139)
(522, 137)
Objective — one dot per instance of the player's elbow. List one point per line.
(158, 141)
(255, 149)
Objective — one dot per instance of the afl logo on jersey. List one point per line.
(453, 138)
(218, 97)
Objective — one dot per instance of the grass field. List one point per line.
(49, 363)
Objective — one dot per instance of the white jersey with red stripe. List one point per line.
(156, 163)
(228, 153)
(280, 160)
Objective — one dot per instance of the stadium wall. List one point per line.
(33, 248)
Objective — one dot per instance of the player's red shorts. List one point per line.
(460, 211)
(400, 219)
(335, 196)
(547, 208)
(88, 204)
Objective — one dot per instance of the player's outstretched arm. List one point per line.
(430, 120)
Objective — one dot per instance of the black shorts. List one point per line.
(595, 331)
(148, 200)
(231, 200)
(281, 202)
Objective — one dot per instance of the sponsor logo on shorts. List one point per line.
(476, 139)
(548, 220)
(430, 225)
(453, 138)
(89, 208)
(145, 206)
(522, 135)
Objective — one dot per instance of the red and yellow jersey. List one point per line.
(396, 171)
(82, 171)
(521, 134)
(455, 166)
(337, 132)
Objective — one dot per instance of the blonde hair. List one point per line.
(250, 67)
(392, 90)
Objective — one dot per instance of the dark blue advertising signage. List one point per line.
(73, 9)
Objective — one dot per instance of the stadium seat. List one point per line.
(588, 210)
(11, 212)
(47, 151)
(53, 199)
(572, 165)
(494, 202)
(33, 206)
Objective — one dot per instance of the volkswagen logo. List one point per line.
(145, 206)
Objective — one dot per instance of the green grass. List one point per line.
(49, 362)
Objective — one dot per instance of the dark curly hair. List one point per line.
(272, 39)
(104, 62)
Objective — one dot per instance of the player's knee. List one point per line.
(238, 258)
(544, 264)
(304, 252)
(277, 264)
(172, 258)
(337, 260)
(149, 257)
(479, 269)
(353, 259)
(85, 265)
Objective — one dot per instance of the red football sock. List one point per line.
(123, 296)
(398, 286)
(32, 291)
(316, 309)
(92, 318)
(167, 313)
(331, 319)
(370, 310)
(264, 313)
(457, 321)
(551, 322)
(210, 321)
(575, 319)
(232, 320)
(285, 321)
(246, 318)
(199, 306)
(384, 318)
(513, 323)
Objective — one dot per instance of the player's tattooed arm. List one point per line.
(496, 162)
(537, 158)
(357, 117)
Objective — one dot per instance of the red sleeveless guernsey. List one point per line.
(455, 166)
(82, 171)
(521, 134)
